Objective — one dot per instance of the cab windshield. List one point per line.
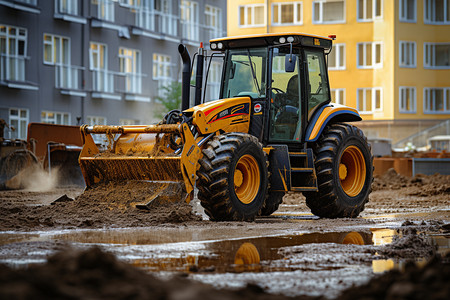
(245, 73)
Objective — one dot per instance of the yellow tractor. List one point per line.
(274, 130)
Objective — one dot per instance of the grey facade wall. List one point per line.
(38, 92)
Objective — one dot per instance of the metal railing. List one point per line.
(69, 7)
(156, 21)
(67, 76)
(190, 30)
(12, 67)
(103, 81)
(132, 83)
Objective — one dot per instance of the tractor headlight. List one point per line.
(213, 46)
(290, 39)
(282, 40)
(220, 46)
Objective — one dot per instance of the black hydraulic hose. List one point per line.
(186, 77)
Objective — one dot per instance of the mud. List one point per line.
(107, 206)
(94, 274)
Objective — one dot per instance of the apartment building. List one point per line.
(96, 61)
(391, 58)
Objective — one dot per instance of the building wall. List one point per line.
(389, 122)
(38, 91)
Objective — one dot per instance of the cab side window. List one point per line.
(318, 81)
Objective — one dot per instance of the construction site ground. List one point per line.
(96, 245)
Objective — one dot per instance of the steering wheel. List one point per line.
(280, 98)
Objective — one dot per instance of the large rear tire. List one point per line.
(344, 166)
(272, 203)
(233, 177)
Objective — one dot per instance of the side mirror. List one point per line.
(289, 63)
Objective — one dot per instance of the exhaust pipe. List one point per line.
(199, 75)
(186, 77)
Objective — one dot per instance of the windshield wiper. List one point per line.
(255, 80)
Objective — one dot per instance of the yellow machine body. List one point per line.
(144, 153)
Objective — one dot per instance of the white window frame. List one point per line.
(337, 96)
(321, 21)
(429, 12)
(363, 110)
(108, 13)
(51, 117)
(214, 78)
(407, 49)
(12, 65)
(130, 61)
(18, 133)
(429, 56)
(69, 7)
(403, 11)
(211, 13)
(251, 23)
(372, 63)
(339, 51)
(189, 12)
(373, 17)
(402, 99)
(162, 71)
(429, 100)
(298, 15)
(57, 39)
(102, 78)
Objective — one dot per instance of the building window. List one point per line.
(252, 15)
(156, 15)
(130, 67)
(328, 11)
(105, 9)
(56, 49)
(437, 100)
(213, 22)
(161, 72)
(437, 12)
(336, 59)
(128, 122)
(370, 55)
(407, 100)
(69, 7)
(369, 100)
(190, 20)
(95, 120)
(437, 55)
(52, 117)
(13, 51)
(408, 54)
(102, 78)
(287, 13)
(408, 11)
(18, 118)
(369, 10)
(338, 96)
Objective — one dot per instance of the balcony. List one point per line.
(131, 85)
(68, 79)
(12, 72)
(24, 5)
(67, 10)
(213, 33)
(103, 84)
(152, 23)
(190, 31)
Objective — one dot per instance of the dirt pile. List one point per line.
(111, 205)
(420, 185)
(93, 274)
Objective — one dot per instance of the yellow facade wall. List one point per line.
(388, 30)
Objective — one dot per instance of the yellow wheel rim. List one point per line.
(353, 238)
(352, 171)
(246, 179)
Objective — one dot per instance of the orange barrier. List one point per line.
(402, 165)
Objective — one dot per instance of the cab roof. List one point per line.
(272, 39)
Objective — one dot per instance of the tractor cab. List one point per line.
(284, 75)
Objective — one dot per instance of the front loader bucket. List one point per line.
(121, 162)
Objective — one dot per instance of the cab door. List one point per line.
(285, 99)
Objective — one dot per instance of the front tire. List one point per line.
(344, 166)
(272, 203)
(233, 177)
